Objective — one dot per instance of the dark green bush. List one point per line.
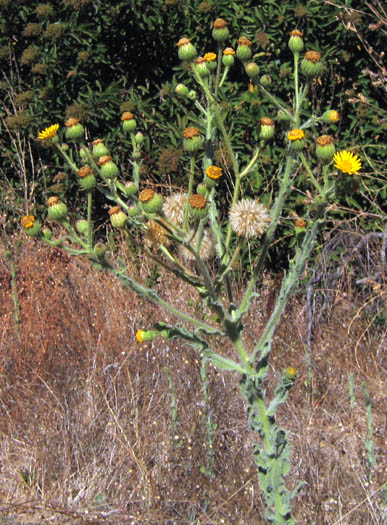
(86, 59)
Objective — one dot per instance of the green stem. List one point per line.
(311, 176)
(226, 70)
(189, 193)
(72, 164)
(152, 296)
(275, 216)
(89, 224)
(244, 356)
(297, 102)
(289, 283)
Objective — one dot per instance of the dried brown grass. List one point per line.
(86, 428)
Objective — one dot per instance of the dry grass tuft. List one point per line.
(88, 433)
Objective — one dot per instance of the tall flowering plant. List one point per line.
(183, 231)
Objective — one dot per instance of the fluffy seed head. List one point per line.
(249, 218)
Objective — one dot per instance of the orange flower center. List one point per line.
(104, 159)
(146, 195)
(324, 140)
(114, 210)
(189, 133)
(243, 41)
(313, 56)
(84, 171)
(127, 115)
(71, 122)
(219, 23)
(198, 201)
(183, 42)
(53, 200)
(266, 121)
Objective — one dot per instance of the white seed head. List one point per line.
(249, 218)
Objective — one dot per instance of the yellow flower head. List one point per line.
(347, 162)
(296, 134)
(210, 57)
(27, 221)
(140, 335)
(334, 115)
(49, 132)
(229, 51)
(213, 172)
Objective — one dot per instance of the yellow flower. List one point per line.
(49, 132)
(229, 51)
(140, 335)
(296, 134)
(27, 221)
(210, 57)
(347, 162)
(213, 172)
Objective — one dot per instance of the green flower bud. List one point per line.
(186, 50)
(211, 62)
(201, 67)
(267, 128)
(151, 201)
(139, 138)
(311, 64)
(296, 44)
(325, 149)
(117, 217)
(202, 189)
(220, 32)
(100, 250)
(228, 57)
(128, 122)
(74, 129)
(198, 206)
(265, 80)
(133, 211)
(192, 140)
(243, 51)
(82, 226)
(83, 154)
(57, 210)
(331, 116)
(192, 95)
(86, 178)
(99, 148)
(181, 90)
(108, 169)
(252, 69)
(47, 234)
(88, 183)
(130, 189)
(30, 225)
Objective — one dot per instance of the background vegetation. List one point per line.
(91, 424)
